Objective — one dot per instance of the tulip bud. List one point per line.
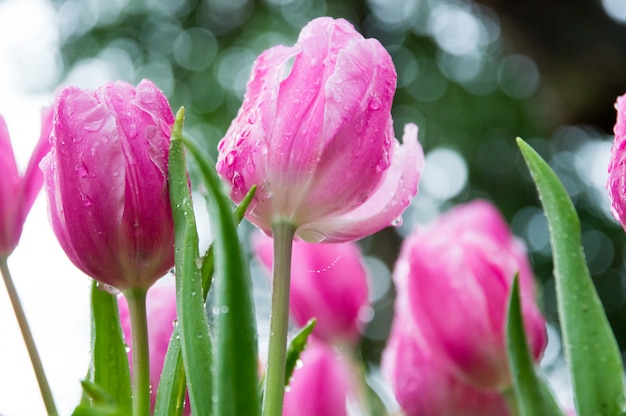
(422, 383)
(328, 282)
(321, 385)
(315, 134)
(459, 274)
(616, 183)
(18, 193)
(106, 181)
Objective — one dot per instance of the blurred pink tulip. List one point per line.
(616, 183)
(161, 314)
(458, 278)
(423, 385)
(315, 134)
(321, 385)
(18, 193)
(328, 282)
(106, 180)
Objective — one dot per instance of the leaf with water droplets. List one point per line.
(295, 349)
(591, 350)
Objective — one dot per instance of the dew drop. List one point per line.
(198, 261)
(252, 117)
(107, 288)
(230, 158)
(86, 200)
(250, 167)
(81, 170)
(94, 125)
(374, 103)
(397, 222)
(224, 309)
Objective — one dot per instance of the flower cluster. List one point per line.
(310, 158)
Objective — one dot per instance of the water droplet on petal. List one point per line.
(230, 158)
(250, 167)
(94, 125)
(81, 170)
(397, 222)
(374, 103)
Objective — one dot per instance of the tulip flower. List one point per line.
(459, 274)
(321, 385)
(315, 134)
(108, 199)
(161, 314)
(616, 183)
(329, 283)
(106, 181)
(18, 193)
(419, 377)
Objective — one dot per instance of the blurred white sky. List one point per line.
(53, 292)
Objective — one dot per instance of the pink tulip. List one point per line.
(106, 180)
(18, 193)
(616, 183)
(321, 385)
(328, 282)
(315, 135)
(161, 314)
(459, 274)
(422, 384)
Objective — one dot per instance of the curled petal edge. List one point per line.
(384, 206)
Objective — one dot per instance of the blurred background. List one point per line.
(472, 74)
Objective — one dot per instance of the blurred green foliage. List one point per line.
(461, 78)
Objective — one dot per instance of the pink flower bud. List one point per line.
(18, 193)
(106, 180)
(315, 134)
(161, 315)
(458, 277)
(616, 183)
(328, 282)
(422, 383)
(321, 385)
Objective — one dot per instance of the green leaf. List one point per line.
(172, 386)
(109, 361)
(533, 395)
(235, 357)
(296, 347)
(591, 351)
(192, 321)
(98, 402)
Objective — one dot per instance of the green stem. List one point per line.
(141, 359)
(44, 387)
(279, 318)
(511, 401)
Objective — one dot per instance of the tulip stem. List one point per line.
(136, 298)
(279, 319)
(35, 360)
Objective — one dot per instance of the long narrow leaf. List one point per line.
(296, 347)
(533, 396)
(590, 348)
(109, 362)
(172, 385)
(192, 321)
(235, 357)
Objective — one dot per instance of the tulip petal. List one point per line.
(384, 206)
(33, 177)
(87, 159)
(9, 193)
